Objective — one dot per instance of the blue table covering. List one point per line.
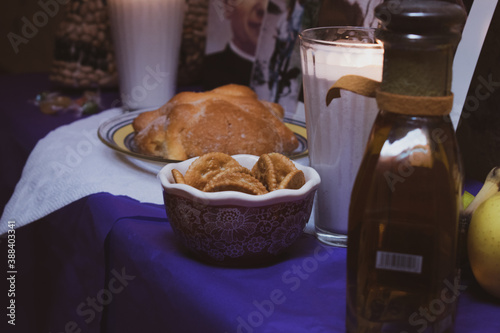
(111, 264)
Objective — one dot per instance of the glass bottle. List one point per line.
(402, 271)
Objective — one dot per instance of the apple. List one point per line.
(483, 244)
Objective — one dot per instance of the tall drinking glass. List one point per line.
(147, 38)
(338, 133)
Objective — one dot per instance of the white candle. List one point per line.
(337, 134)
(147, 36)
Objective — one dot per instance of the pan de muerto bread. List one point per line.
(229, 119)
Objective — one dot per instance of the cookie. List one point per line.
(206, 167)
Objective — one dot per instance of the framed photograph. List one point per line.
(233, 31)
(255, 43)
(276, 74)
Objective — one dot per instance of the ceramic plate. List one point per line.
(118, 134)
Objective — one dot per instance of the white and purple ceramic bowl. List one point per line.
(235, 228)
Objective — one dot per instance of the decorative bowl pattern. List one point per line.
(233, 228)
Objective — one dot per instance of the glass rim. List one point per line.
(314, 39)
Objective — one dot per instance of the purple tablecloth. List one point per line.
(110, 264)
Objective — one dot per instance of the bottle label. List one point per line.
(399, 262)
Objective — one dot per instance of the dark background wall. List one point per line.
(28, 50)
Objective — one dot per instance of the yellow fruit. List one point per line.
(483, 244)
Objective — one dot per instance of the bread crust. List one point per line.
(229, 119)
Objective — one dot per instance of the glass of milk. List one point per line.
(147, 38)
(337, 134)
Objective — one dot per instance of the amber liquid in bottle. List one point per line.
(403, 216)
(402, 271)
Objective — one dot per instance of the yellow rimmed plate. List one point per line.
(118, 134)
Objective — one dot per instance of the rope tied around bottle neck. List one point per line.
(402, 104)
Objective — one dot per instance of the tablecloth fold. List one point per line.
(71, 163)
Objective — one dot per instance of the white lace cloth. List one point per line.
(71, 163)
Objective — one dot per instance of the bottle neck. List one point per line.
(417, 67)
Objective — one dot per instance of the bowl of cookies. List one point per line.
(238, 210)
